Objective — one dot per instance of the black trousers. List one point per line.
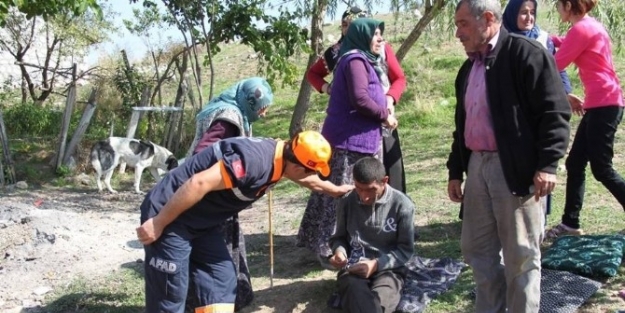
(393, 161)
(594, 144)
(379, 293)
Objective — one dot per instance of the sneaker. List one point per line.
(562, 230)
(324, 261)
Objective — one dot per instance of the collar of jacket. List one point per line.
(490, 58)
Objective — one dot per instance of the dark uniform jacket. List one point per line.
(249, 166)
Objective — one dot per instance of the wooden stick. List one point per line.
(270, 240)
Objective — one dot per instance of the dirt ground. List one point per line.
(48, 237)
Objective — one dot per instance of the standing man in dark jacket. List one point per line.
(511, 130)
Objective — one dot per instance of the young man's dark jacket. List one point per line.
(529, 108)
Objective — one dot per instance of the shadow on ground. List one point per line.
(290, 261)
(437, 240)
(299, 296)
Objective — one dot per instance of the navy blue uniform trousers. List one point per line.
(181, 254)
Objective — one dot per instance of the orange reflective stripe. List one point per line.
(224, 175)
(216, 308)
(278, 162)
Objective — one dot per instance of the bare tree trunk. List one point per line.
(181, 95)
(158, 76)
(127, 71)
(163, 76)
(27, 82)
(209, 53)
(24, 88)
(316, 39)
(432, 9)
(197, 68)
(191, 95)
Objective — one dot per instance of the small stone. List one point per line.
(42, 290)
(21, 185)
(18, 309)
(83, 179)
(139, 261)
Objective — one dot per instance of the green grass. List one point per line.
(120, 292)
(426, 121)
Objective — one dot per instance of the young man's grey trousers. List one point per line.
(379, 293)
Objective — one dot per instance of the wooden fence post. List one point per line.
(67, 116)
(10, 171)
(130, 133)
(82, 125)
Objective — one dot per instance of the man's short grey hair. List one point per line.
(478, 7)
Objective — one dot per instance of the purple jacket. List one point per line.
(357, 107)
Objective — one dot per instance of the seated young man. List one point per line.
(374, 239)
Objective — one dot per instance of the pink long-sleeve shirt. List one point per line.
(587, 45)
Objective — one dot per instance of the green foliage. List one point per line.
(213, 22)
(48, 8)
(144, 20)
(79, 32)
(8, 95)
(280, 41)
(130, 84)
(63, 171)
(67, 37)
(28, 120)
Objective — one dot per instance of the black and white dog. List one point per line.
(139, 154)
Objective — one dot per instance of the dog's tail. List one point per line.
(102, 156)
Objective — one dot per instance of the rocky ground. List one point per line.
(49, 237)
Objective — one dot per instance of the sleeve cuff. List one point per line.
(340, 249)
(383, 262)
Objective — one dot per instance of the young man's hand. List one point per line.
(364, 268)
(338, 260)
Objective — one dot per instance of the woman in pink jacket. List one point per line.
(588, 46)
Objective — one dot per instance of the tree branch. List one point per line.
(59, 70)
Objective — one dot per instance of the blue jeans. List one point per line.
(594, 144)
(182, 252)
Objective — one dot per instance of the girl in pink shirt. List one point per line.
(587, 45)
